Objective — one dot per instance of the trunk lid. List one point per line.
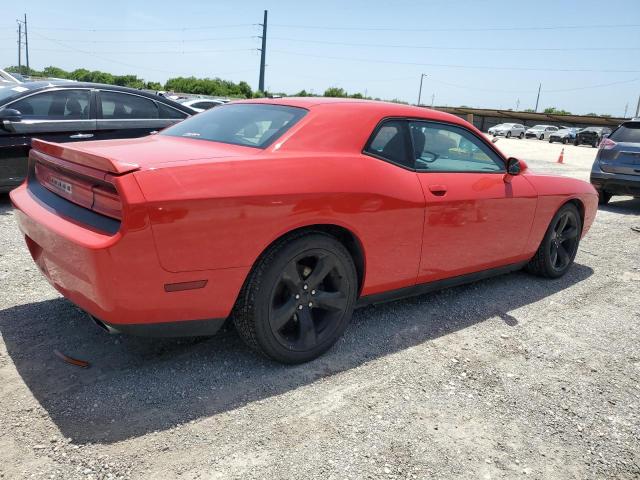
(620, 152)
(123, 156)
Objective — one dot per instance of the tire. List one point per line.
(508, 135)
(298, 299)
(565, 141)
(595, 143)
(542, 136)
(576, 143)
(550, 141)
(554, 258)
(521, 136)
(603, 197)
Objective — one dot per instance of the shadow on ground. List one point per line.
(5, 204)
(137, 385)
(624, 206)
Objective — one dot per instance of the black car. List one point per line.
(616, 170)
(591, 136)
(70, 111)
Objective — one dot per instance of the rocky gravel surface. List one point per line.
(513, 377)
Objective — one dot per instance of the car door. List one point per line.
(476, 217)
(127, 115)
(56, 115)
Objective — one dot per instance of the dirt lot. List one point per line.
(507, 378)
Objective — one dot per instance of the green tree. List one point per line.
(556, 111)
(335, 92)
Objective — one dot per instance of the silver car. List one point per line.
(540, 131)
(507, 130)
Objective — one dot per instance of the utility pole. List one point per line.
(422, 75)
(626, 107)
(19, 47)
(638, 108)
(433, 97)
(26, 43)
(538, 99)
(263, 52)
(517, 105)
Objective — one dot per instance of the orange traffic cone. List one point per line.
(561, 157)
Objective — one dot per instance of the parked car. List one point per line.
(540, 131)
(591, 136)
(508, 130)
(202, 104)
(564, 135)
(172, 233)
(68, 112)
(616, 169)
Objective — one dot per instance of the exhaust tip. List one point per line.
(103, 326)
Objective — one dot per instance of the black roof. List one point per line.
(30, 87)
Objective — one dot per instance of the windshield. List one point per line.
(538, 127)
(247, 124)
(10, 90)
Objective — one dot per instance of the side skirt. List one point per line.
(423, 288)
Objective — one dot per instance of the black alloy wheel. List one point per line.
(559, 245)
(564, 241)
(308, 301)
(298, 299)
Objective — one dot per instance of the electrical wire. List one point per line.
(473, 67)
(456, 29)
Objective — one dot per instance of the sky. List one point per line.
(586, 54)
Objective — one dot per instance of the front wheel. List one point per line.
(564, 141)
(521, 136)
(542, 137)
(508, 135)
(559, 245)
(299, 298)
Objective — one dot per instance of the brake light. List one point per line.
(607, 144)
(106, 201)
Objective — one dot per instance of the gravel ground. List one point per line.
(513, 377)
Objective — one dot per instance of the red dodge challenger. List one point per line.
(285, 215)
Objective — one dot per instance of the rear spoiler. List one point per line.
(77, 154)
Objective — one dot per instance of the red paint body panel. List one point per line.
(203, 212)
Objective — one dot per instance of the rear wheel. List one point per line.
(508, 135)
(521, 136)
(565, 141)
(299, 299)
(559, 245)
(603, 197)
(594, 144)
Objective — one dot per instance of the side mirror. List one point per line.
(8, 116)
(515, 166)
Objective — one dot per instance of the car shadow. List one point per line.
(5, 204)
(138, 385)
(626, 206)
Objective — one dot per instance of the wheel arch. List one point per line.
(344, 235)
(579, 205)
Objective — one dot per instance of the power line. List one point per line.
(188, 40)
(458, 29)
(151, 52)
(473, 67)
(156, 29)
(383, 45)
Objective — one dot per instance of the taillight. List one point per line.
(607, 144)
(107, 202)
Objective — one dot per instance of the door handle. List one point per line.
(81, 135)
(438, 190)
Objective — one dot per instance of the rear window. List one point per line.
(627, 132)
(250, 124)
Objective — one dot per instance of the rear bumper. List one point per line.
(118, 279)
(615, 183)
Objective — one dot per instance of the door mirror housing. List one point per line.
(515, 166)
(8, 116)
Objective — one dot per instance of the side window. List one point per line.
(117, 105)
(169, 112)
(390, 142)
(56, 105)
(447, 148)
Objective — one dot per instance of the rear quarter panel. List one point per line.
(224, 214)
